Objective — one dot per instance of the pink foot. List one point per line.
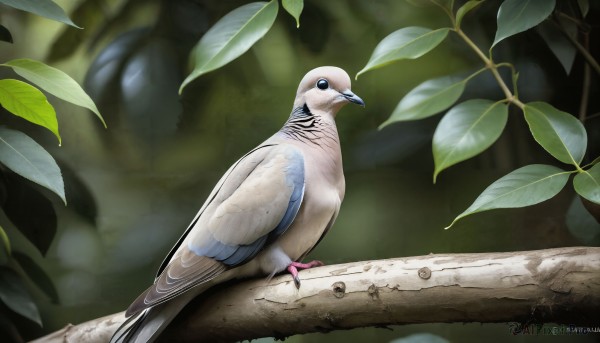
(294, 266)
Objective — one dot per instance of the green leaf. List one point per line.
(79, 195)
(5, 35)
(26, 101)
(25, 157)
(14, 295)
(559, 133)
(231, 36)
(515, 16)
(44, 8)
(587, 184)
(466, 130)
(559, 44)
(5, 240)
(525, 186)
(67, 42)
(584, 7)
(294, 8)
(37, 275)
(581, 224)
(23, 199)
(464, 9)
(55, 82)
(427, 99)
(407, 43)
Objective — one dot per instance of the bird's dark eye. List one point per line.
(322, 84)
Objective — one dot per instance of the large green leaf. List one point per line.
(37, 275)
(427, 99)
(407, 43)
(466, 130)
(55, 82)
(464, 9)
(25, 157)
(26, 101)
(14, 295)
(24, 198)
(231, 36)
(559, 133)
(515, 16)
(525, 186)
(44, 8)
(294, 8)
(587, 184)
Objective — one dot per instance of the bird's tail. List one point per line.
(131, 325)
(148, 324)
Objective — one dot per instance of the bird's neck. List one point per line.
(317, 132)
(311, 128)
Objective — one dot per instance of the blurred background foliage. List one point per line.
(133, 188)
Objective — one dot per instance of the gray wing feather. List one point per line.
(254, 203)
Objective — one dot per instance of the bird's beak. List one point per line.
(353, 98)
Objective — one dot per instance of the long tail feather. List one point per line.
(146, 326)
(130, 326)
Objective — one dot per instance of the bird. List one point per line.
(266, 213)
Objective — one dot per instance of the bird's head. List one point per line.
(325, 90)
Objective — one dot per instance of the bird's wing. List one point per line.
(254, 203)
(258, 151)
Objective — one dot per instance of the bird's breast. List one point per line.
(324, 191)
(323, 194)
(317, 211)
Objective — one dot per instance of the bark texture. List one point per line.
(543, 286)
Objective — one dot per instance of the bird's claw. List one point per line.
(294, 266)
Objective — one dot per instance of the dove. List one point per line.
(266, 213)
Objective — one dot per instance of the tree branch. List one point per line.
(549, 286)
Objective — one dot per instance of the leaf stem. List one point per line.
(581, 24)
(591, 164)
(475, 74)
(447, 10)
(489, 64)
(515, 76)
